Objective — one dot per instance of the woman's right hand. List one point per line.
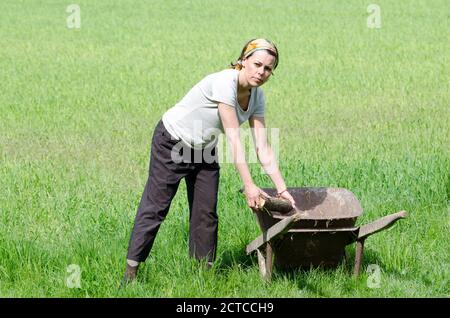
(253, 195)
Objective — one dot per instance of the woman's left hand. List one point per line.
(286, 195)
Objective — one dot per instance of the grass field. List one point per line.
(362, 108)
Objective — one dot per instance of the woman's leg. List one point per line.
(162, 184)
(202, 190)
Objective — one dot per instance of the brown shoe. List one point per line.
(129, 275)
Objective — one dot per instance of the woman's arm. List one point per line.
(231, 126)
(267, 157)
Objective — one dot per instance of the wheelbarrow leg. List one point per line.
(263, 247)
(265, 261)
(358, 257)
(368, 229)
(269, 260)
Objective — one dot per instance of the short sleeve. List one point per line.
(260, 104)
(223, 88)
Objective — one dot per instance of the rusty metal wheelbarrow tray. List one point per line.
(315, 234)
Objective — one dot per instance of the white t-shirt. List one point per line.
(195, 118)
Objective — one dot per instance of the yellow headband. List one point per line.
(256, 45)
(259, 44)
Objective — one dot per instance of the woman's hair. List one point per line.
(255, 45)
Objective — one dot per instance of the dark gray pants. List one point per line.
(202, 182)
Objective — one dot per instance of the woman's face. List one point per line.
(258, 67)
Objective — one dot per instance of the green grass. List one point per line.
(359, 108)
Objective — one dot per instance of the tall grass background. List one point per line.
(360, 108)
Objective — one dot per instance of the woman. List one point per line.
(223, 101)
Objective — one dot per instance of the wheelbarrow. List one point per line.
(315, 233)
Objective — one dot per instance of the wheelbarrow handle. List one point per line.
(273, 232)
(379, 225)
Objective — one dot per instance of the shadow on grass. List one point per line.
(303, 277)
(370, 257)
